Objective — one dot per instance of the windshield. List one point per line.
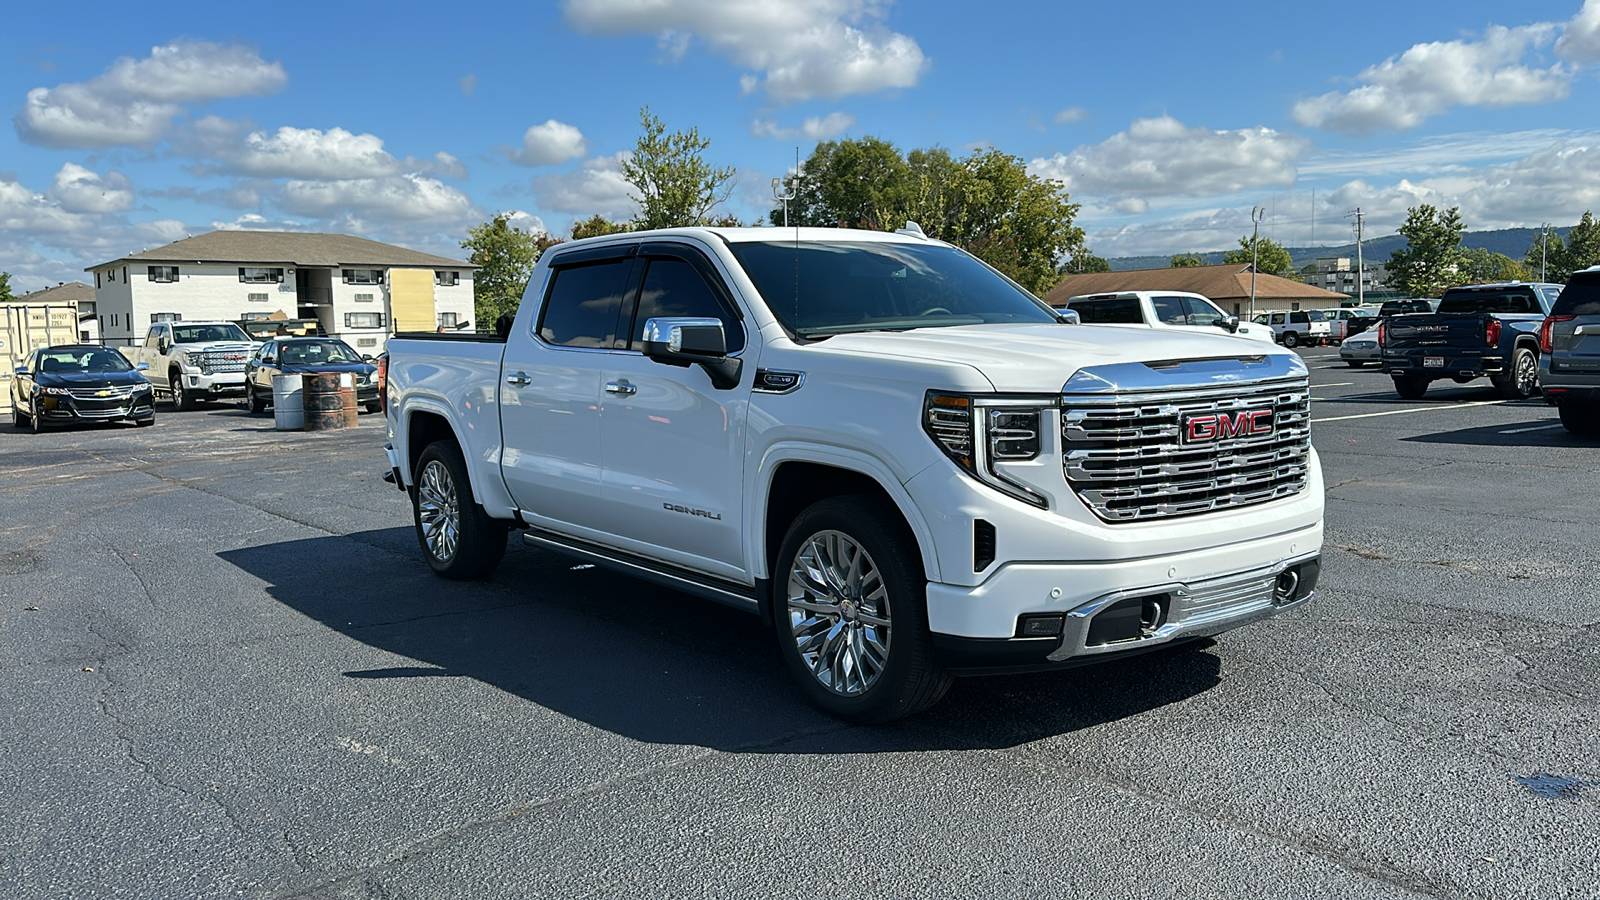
(203, 334)
(818, 289)
(1516, 300)
(79, 361)
(311, 353)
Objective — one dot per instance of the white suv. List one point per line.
(1296, 327)
(1168, 310)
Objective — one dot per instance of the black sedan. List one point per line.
(79, 383)
(302, 356)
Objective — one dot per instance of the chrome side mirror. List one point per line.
(692, 341)
(142, 366)
(1231, 323)
(1069, 317)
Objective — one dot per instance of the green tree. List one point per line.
(505, 256)
(597, 225)
(1481, 266)
(675, 184)
(1432, 258)
(1082, 261)
(1186, 261)
(1270, 257)
(1583, 246)
(1546, 257)
(5, 287)
(986, 203)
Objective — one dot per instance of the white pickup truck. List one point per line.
(908, 465)
(1175, 310)
(194, 361)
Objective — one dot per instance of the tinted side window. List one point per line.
(581, 307)
(1510, 301)
(1581, 297)
(1169, 310)
(1114, 311)
(1201, 312)
(672, 287)
(1299, 318)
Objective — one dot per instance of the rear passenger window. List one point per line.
(1169, 310)
(1579, 298)
(582, 305)
(1114, 311)
(673, 288)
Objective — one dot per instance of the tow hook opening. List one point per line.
(1129, 619)
(1296, 583)
(1287, 587)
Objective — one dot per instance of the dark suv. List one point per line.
(1569, 358)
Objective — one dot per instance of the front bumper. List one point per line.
(58, 409)
(221, 384)
(1110, 609)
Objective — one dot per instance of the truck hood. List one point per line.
(1041, 358)
(216, 345)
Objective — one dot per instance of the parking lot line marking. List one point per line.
(1397, 412)
(1335, 384)
(1532, 428)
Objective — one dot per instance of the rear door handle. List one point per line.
(518, 379)
(620, 387)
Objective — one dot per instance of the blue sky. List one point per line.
(405, 122)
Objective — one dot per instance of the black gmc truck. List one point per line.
(1478, 330)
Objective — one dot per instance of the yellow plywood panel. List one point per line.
(411, 299)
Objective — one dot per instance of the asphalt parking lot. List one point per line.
(226, 671)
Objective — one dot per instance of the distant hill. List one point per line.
(1513, 242)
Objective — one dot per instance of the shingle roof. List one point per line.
(1228, 282)
(287, 248)
(73, 292)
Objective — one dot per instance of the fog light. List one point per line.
(1040, 626)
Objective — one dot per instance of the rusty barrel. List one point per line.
(329, 399)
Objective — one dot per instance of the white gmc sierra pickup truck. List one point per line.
(194, 361)
(909, 465)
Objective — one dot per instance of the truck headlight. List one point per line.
(982, 435)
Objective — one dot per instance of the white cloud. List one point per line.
(1426, 80)
(597, 188)
(411, 197)
(814, 128)
(526, 221)
(1436, 154)
(22, 210)
(134, 102)
(1162, 157)
(1580, 39)
(802, 48)
(549, 144)
(308, 153)
(80, 190)
(1071, 114)
(449, 165)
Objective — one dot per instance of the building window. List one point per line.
(258, 275)
(1294, 306)
(447, 320)
(111, 274)
(363, 320)
(363, 276)
(166, 274)
(165, 317)
(448, 279)
(363, 298)
(124, 274)
(258, 298)
(366, 342)
(97, 279)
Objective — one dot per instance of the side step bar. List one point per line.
(738, 596)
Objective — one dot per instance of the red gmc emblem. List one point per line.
(1201, 428)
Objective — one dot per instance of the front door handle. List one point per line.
(518, 379)
(620, 387)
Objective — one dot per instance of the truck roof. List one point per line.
(767, 234)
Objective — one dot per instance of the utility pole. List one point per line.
(1544, 239)
(1256, 213)
(1361, 274)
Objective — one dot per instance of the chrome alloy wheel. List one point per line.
(839, 612)
(439, 510)
(1527, 373)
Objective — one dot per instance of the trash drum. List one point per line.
(287, 412)
(329, 400)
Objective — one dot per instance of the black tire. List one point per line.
(35, 421)
(1522, 381)
(1580, 419)
(374, 407)
(908, 680)
(145, 423)
(180, 397)
(1291, 339)
(440, 483)
(19, 419)
(1410, 387)
(256, 404)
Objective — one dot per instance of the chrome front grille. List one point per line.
(1126, 457)
(214, 362)
(102, 393)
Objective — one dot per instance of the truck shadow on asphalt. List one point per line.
(1546, 434)
(658, 666)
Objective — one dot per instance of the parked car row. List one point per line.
(81, 383)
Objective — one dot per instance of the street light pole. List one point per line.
(1544, 238)
(1256, 214)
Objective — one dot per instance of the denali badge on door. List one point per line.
(1203, 428)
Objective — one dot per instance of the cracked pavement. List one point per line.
(242, 680)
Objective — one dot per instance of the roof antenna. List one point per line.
(912, 229)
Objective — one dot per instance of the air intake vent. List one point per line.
(982, 545)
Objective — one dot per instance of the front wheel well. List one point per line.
(798, 484)
(422, 429)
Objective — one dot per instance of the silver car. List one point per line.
(1569, 353)
(1361, 349)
